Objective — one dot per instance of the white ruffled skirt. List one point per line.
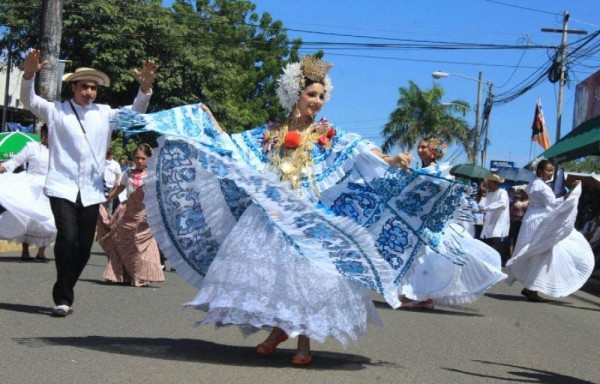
(551, 256)
(28, 217)
(434, 277)
(257, 281)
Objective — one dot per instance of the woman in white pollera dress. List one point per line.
(550, 256)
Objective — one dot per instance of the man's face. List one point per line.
(84, 92)
(492, 186)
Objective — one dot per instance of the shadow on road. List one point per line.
(204, 351)
(437, 311)
(525, 375)
(500, 296)
(17, 259)
(558, 303)
(25, 308)
(117, 284)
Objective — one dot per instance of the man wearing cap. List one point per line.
(496, 222)
(79, 134)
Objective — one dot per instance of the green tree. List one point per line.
(588, 164)
(220, 52)
(421, 113)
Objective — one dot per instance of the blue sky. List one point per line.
(366, 81)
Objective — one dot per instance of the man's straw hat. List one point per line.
(88, 74)
(493, 177)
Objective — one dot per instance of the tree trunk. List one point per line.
(50, 35)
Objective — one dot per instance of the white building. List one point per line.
(14, 87)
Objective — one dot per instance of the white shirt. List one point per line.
(34, 154)
(497, 215)
(112, 173)
(75, 165)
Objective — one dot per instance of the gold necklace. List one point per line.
(291, 154)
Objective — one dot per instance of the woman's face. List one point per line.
(547, 172)
(424, 152)
(44, 135)
(140, 160)
(311, 100)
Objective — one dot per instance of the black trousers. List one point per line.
(500, 244)
(76, 226)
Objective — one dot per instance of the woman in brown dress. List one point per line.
(132, 251)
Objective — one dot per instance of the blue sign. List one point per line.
(495, 164)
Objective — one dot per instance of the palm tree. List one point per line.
(422, 113)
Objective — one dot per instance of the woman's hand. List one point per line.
(401, 160)
(205, 108)
(146, 75)
(31, 64)
(574, 184)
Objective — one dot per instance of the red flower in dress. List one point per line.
(323, 140)
(331, 133)
(292, 139)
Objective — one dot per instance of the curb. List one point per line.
(6, 246)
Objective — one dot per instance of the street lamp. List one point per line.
(477, 130)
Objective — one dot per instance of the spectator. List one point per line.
(497, 218)
(517, 210)
(112, 175)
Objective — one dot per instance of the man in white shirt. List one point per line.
(496, 223)
(78, 135)
(112, 176)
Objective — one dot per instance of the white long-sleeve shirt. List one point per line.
(76, 166)
(497, 216)
(34, 154)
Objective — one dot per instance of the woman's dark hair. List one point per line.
(541, 165)
(44, 128)
(308, 82)
(145, 148)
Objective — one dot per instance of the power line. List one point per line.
(521, 7)
(471, 63)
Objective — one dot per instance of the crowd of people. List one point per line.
(535, 233)
(287, 227)
(588, 223)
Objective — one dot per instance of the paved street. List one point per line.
(121, 334)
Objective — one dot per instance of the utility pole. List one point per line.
(50, 35)
(563, 64)
(477, 129)
(7, 85)
(487, 111)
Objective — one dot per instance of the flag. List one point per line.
(539, 134)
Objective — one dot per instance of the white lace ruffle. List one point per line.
(279, 288)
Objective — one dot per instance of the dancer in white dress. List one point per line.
(277, 288)
(434, 279)
(28, 219)
(287, 226)
(550, 256)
